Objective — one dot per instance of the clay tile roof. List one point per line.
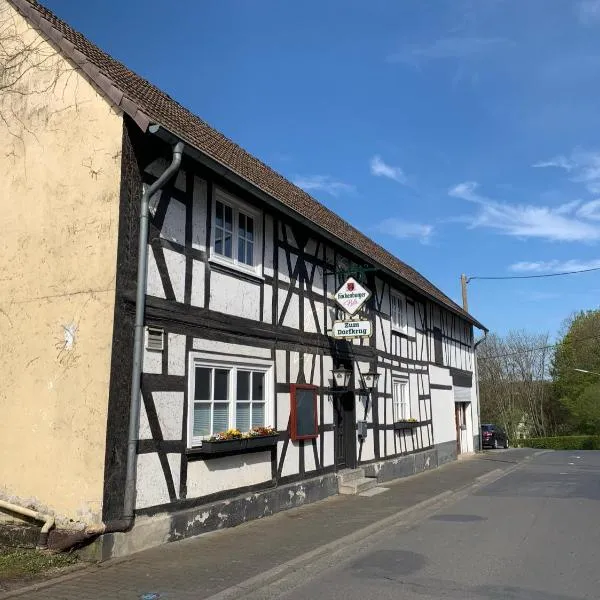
(147, 104)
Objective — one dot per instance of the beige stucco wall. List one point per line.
(59, 194)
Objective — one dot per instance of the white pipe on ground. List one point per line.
(48, 520)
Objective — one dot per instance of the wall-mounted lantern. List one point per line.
(341, 377)
(370, 380)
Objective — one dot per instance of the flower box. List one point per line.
(261, 441)
(236, 445)
(221, 446)
(406, 424)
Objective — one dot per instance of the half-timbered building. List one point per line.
(239, 309)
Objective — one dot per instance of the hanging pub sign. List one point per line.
(351, 329)
(352, 296)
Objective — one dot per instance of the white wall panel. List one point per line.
(206, 477)
(197, 296)
(176, 269)
(173, 228)
(234, 296)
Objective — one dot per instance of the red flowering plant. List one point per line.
(260, 430)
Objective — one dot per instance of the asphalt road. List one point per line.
(533, 534)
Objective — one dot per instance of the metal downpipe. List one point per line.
(138, 343)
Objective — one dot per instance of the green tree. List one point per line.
(579, 393)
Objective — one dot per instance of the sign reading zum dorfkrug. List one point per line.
(351, 296)
(351, 329)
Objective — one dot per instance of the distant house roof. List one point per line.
(146, 105)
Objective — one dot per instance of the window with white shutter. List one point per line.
(226, 396)
(401, 406)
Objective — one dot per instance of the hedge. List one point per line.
(567, 442)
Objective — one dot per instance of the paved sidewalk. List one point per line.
(201, 567)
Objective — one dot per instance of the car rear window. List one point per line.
(487, 427)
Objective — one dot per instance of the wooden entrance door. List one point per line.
(458, 419)
(345, 431)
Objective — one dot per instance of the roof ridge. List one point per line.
(146, 103)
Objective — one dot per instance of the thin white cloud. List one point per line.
(583, 167)
(589, 11)
(405, 230)
(567, 222)
(554, 266)
(323, 183)
(447, 48)
(532, 296)
(381, 169)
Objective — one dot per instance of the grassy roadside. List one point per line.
(24, 564)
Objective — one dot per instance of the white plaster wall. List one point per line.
(310, 326)
(414, 396)
(294, 366)
(390, 442)
(268, 304)
(280, 366)
(234, 296)
(268, 237)
(444, 425)
(328, 410)
(199, 215)
(144, 432)
(176, 357)
(176, 269)
(283, 411)
(284, 272)
(169, 409)
(328, 450)
(217, 347)
(197, 295)
(173, 228)
(439, 375)
(318, 286)
(368, 447)
(154, 286)
(309, 456)
(292, 314)
(227, 473)
(151, 484)
(292, 458)
(317, 373)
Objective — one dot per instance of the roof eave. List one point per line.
(169, 137)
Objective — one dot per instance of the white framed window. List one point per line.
(398, 312)
(400, 401)
(236, 233)
(224, 395)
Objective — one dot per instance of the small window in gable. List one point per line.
(398, 312)
(235, 233)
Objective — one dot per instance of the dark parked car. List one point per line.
(493, 436)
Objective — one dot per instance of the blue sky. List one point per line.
(462, 135)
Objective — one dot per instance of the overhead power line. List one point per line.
(535, 276)
(527, 350)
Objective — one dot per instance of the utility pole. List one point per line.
(463, 284)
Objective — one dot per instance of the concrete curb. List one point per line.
(296, 571)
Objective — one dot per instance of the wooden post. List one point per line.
(463, 285)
